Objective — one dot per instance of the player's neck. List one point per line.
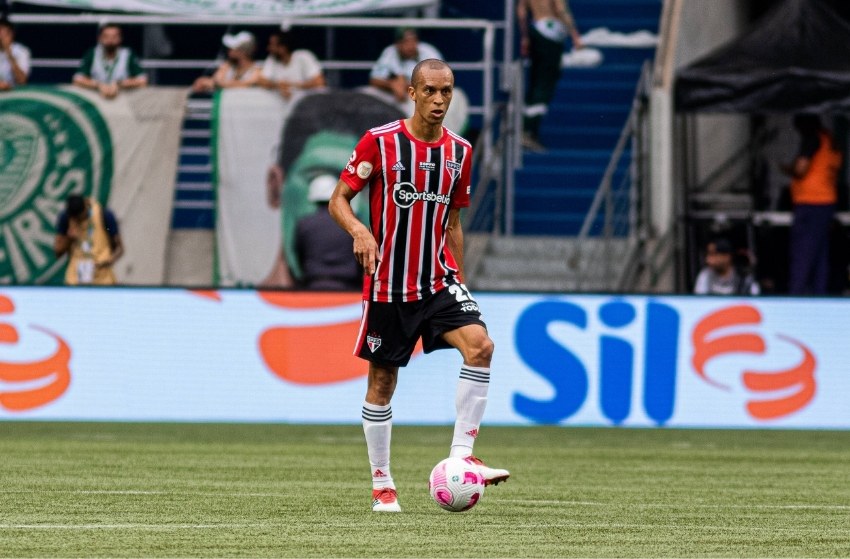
(424, 131)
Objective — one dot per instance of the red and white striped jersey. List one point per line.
(412, 186)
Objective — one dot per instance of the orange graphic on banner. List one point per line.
(313, 355)
(802, 376)
(708, 344)
(55, 370)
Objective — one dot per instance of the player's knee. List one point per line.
(481, 352)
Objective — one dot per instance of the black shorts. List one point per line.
(389, 331)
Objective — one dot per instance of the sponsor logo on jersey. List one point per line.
(399, 166)
(427, 166)
(353, 156)
(364, 169)
(52, 144)
(469, 307)
(350, 168)
(405, 195)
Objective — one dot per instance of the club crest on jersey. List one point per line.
(427, 166)
(399, 166)
(405, 195)
(453, 168)
(373, 340)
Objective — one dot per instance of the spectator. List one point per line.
(286, 68)
(239, 70)
(814, 193)
(323, 249)
(543, 43)
(391, 72)
(108, 67)
(14, 58)
(721, 276)
(88, 233)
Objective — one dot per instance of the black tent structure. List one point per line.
(796, 58)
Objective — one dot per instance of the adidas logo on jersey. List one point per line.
(399, 166)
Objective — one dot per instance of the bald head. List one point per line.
(428, 64)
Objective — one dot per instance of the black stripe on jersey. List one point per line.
(400, 253)
(382, 208)
(474, 376)
(431, 185)
(456, 154)
(371, 415)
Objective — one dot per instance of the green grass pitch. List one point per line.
(209, 490)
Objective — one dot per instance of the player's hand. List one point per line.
(366, 251)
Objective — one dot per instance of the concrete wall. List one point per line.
(704, 26)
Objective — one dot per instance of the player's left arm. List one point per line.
(454, 239)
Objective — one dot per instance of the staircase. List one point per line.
(194, 197)
(546, 264)
(554, 190)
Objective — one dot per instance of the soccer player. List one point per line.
(418, 174)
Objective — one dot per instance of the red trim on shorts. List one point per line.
(361, 334)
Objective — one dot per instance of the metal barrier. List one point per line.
(614, 215)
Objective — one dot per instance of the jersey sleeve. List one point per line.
(364, 163)
(460, 196)
(134, 67)
(86, 64)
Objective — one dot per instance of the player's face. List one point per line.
(433, 94)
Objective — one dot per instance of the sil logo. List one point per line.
(727, 332)
(28, 383)
(52, 143)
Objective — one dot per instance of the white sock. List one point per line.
(470, 401)
(378, 426)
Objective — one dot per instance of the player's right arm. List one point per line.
(364, 163)
(365, 247)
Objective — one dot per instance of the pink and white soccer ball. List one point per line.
(456, 485)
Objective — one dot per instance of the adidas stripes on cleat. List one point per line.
(492, 476)
(385, 500)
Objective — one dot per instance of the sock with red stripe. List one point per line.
(378, 426)
(470, 401)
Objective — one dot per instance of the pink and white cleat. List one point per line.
(492, 476)
(385, 500)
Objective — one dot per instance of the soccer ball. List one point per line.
(456, 485)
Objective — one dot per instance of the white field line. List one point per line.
(553, 502)
(544, 502)
(126, 526)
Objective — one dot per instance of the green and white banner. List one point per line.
(236, 8)
(122, 152)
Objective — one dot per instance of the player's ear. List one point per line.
(411, 92)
